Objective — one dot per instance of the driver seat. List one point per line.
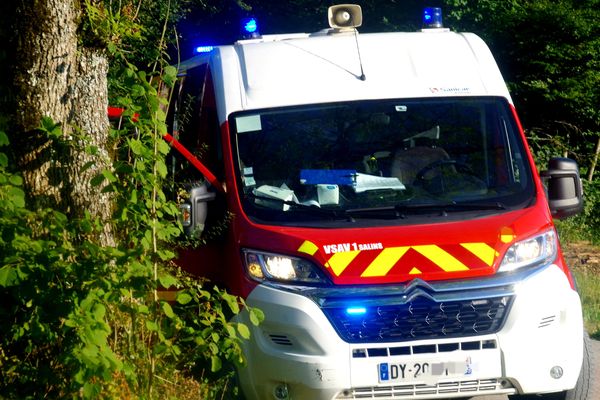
(407, 163)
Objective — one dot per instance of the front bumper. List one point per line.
(296, 352)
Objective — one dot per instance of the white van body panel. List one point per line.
(275, 72)
(297, 346)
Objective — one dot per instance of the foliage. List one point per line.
(147, 219)
(555, 79)
(76, 315)
(82, 320)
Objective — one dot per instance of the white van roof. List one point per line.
(306, 69)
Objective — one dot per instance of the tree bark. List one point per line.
(56, 77)
(595, 157)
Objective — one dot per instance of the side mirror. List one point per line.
(193, 212)
(565, 192)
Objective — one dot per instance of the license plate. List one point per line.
(422, 371)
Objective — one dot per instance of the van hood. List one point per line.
(441, 251)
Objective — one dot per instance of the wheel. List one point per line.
(587, 387)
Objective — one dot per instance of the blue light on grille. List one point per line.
(356, 310)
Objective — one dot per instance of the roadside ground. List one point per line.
(584, 260)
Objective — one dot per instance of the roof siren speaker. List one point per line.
(344, 16)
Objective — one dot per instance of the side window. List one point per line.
(196, 126)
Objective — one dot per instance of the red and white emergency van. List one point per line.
(384, 212)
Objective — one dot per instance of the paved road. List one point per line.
(596, 351)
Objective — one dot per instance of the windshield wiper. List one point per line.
(312, 209)
(453, 205)
(400, 210)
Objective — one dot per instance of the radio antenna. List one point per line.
(346, 17)
(362, 72)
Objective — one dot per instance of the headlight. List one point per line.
(534, 251)
(263, 266)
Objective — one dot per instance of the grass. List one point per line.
(581, 245)
(588, 284)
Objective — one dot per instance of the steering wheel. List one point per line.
(455, 180)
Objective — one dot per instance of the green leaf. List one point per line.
(137, 147)
(160, 115)
(88, 165)
(166, 255)
(170, 75)
(167, 281)
(213, 348)
(256, 316)
(97, 337)
(15, 180)
(166, 307)
(99, 311)
(137, 91)
(3, 139)
(161, 168)
(151, 326)
(163, 147)
(8, 276)
(97, 180)
(244, 331)
(183, 298)
(51, 128)
(232, 302)
(15, 196)
(230, 331)
(109, 176)
(215, 363)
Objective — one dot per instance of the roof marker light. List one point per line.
(432, 18)
(250, 28)
(356, 310)
(203, 49)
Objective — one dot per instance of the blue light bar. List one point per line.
(432, 17)
(356, 310)
(250, 25)
(203, 49)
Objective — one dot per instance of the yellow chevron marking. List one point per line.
(308, 247)
(339, 261)
(385, 261)
(441, 258)
(483, 251)
(507, 235)
(415, 271)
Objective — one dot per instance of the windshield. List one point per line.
(380, 159)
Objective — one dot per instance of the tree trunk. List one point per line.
(590, 176)
(54, 76)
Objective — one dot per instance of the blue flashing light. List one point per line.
(250, 26)
(203, 49)
(356, 310)
(432, 17)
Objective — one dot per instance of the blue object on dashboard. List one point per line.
(327, 176)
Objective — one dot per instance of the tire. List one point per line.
(587, 387)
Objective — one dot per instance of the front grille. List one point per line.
(424, 349)
(451, 388)
(420, 318)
